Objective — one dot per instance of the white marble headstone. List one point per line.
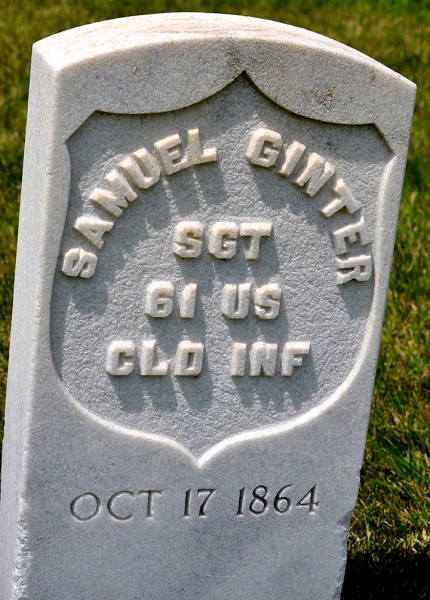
(207, 223)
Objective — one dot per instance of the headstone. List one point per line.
(208, 217)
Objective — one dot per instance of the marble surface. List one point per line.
(208, 216)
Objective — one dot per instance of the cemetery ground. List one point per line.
(389, 541)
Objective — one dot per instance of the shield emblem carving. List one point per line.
(217, 268)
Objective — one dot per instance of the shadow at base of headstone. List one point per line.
(399, 576)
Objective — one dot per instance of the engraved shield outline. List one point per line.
(135, 56)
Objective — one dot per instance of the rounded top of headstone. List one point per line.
(95, 39)
(198, 54)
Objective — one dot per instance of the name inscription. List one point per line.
(141, 170)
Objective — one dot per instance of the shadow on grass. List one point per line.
(393, 577)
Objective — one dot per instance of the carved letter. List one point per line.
(85, 507)
(149, 169)
(292, 356)
(142, 168)
(264, 146)
(355, 267)
(115, 200)
(120, 186)
(120, 357)
(238, 360)
(263, 358)
(316, 173)
(149, 501)
(171, 154)
(343, 199)
(293, 154)
(351, 233)
(187, 303)
(78, 263)
(222, 239)
(267, 301)
(255, 231)
(187, 241)
(235, 300)
(147, 360)
(93, 228)
(196, 153)
(110, 203)
(110, 506)
(189, 359)
(158, 301)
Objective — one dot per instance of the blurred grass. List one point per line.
(389, 543)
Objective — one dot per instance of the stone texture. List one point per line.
(207, 223)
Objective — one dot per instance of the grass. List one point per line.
(389, 543)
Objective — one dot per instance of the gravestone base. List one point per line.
(299, 553)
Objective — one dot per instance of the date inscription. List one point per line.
(197, 503)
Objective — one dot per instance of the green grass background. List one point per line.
(389, 541)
